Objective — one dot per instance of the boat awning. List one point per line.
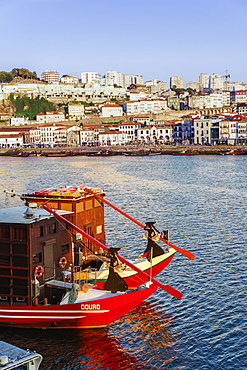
(60, 284)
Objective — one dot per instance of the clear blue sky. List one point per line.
(153, 38)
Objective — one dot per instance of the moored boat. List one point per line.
(233, 152)
(38, 254)
(186, 153)
(90, 309)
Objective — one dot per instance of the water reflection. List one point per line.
(146, 328)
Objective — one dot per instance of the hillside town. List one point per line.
(118, 109)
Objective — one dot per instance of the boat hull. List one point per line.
(86, 314)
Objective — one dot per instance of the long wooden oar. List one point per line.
(168, 288)
(184, 252)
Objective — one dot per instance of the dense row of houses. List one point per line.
(139, 98)
(229, 128)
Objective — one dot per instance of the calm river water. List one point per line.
(202, 200)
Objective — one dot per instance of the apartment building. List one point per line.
(216, 82)
(156, 86)
(145, 106)
(113, 138)
(11, 140)
(233, 130)
(76, 111)
(50, 76)
(120, 79)
(203, 80)
(69, 80)
(238, 96)
(91, 77)
(155, 134)
(206, 130)
(131, 129)
(214, 100)
(176, 82)
(50, 117)
(111, 110)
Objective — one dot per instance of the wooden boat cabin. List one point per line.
(88, 212)
(36, 248)
(31, 244)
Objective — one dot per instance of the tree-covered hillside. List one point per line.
(27, 107)
(17, 72)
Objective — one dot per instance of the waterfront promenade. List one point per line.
(122, 150)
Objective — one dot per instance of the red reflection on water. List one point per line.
(130, 343)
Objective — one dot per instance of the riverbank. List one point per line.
(126, 150)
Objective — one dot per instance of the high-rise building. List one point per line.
(203, 80)
(50, 76)
(90, 77)
(119, 79)
(215, 82)
(176, 82)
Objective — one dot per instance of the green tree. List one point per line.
(5, 76)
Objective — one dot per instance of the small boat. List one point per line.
(101, 153)
(139, 153)
(185, 153)
(12, 357)
(233, 152)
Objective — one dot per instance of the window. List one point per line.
(4, 232)
(20, 233)
(65, 249)
(41, 231)
(37, 258)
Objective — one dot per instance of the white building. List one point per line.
(88, 136)
(50, 76)
(69, 80)
(11, 140)
(157, 133)
(137, 95)
(111, 110)
(131, 129)
(193, 85)
(232, 130)
(216, 82)
(203, 80)
(76, 111)
(113, 138)
(155, 86)
(90, 77)
(18, 121)
(145, 106)
(176, 82)
(50, 117)
(119, 79)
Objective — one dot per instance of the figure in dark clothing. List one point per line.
(114, 282)
(153, 249)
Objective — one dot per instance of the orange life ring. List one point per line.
(62, 262)
(38, 271)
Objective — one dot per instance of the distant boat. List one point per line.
(184, 153)
(139, 153)
(101, 153)
(233, 152)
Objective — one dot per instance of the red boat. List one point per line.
(232, 152)
(92, 309)
(28, 284)
(185, 153)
